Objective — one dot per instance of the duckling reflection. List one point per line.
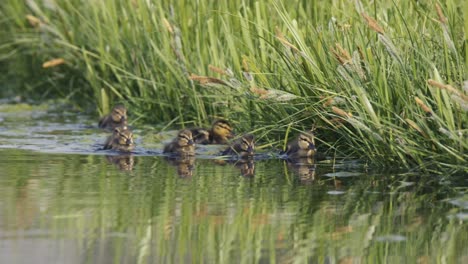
(246, 166)
(220, 133)
(122, 162)
(301, 147)
(116, 118)
(304, 168)
(185, 165)
(120, 140)
(242, 147)
(182, 145)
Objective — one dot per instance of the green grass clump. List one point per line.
(382, 81)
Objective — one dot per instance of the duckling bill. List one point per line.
(120, 140)
(182, 145)
(242, 147)
(219, 133)
(301, 147)
(116, 118)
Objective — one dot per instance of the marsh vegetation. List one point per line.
(381, 81)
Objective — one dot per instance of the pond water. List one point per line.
(65, 201)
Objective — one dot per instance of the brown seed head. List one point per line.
(53, 63)
(372, 23)
(340, 112)
(217, 70)
(442, 18)
(424, 107)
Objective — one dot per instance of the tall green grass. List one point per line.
(356, 71)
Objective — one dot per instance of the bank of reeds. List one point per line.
(383, 82)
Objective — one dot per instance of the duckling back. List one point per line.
(242, 147)
(301, 147)
(120, 140)
(182, 145)
(221, 132)
(116, 118)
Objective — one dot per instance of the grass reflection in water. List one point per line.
(144, 209)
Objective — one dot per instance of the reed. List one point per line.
(262, 64)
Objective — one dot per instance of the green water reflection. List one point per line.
(68, 208)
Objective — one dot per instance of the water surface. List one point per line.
(65, 201)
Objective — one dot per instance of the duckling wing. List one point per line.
(103, 121)
(291, 148)
(108, 143)
(200, 135)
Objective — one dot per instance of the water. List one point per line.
(65, 201)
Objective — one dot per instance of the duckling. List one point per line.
(117, 118)
(182, 145)
(121, 140)
(303, 146)
(243, 147)
(220, 133)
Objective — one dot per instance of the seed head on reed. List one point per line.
(217, 70)
(389, 46)
(204, 80)
(341, 112)
(53, 63)
(245, 64)
(412, 124)
(282, 39)
(423, 106)
(448, 88)
(245, 69)
(372, 23)
(337, 100)
(33, 21)
(442, 18)
(327, 102)
(168, 26)
(341, 54)
(361, 53)
(259, 91)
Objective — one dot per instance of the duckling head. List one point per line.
(184, 138)
(306, 141)
(124, 136)
(119, 113)
(222, 128)
(247, 145)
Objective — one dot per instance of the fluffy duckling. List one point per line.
(120, 140)
(303, 146)
(182, 145)
(116, 118)
(220, 133)
(242, 147)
